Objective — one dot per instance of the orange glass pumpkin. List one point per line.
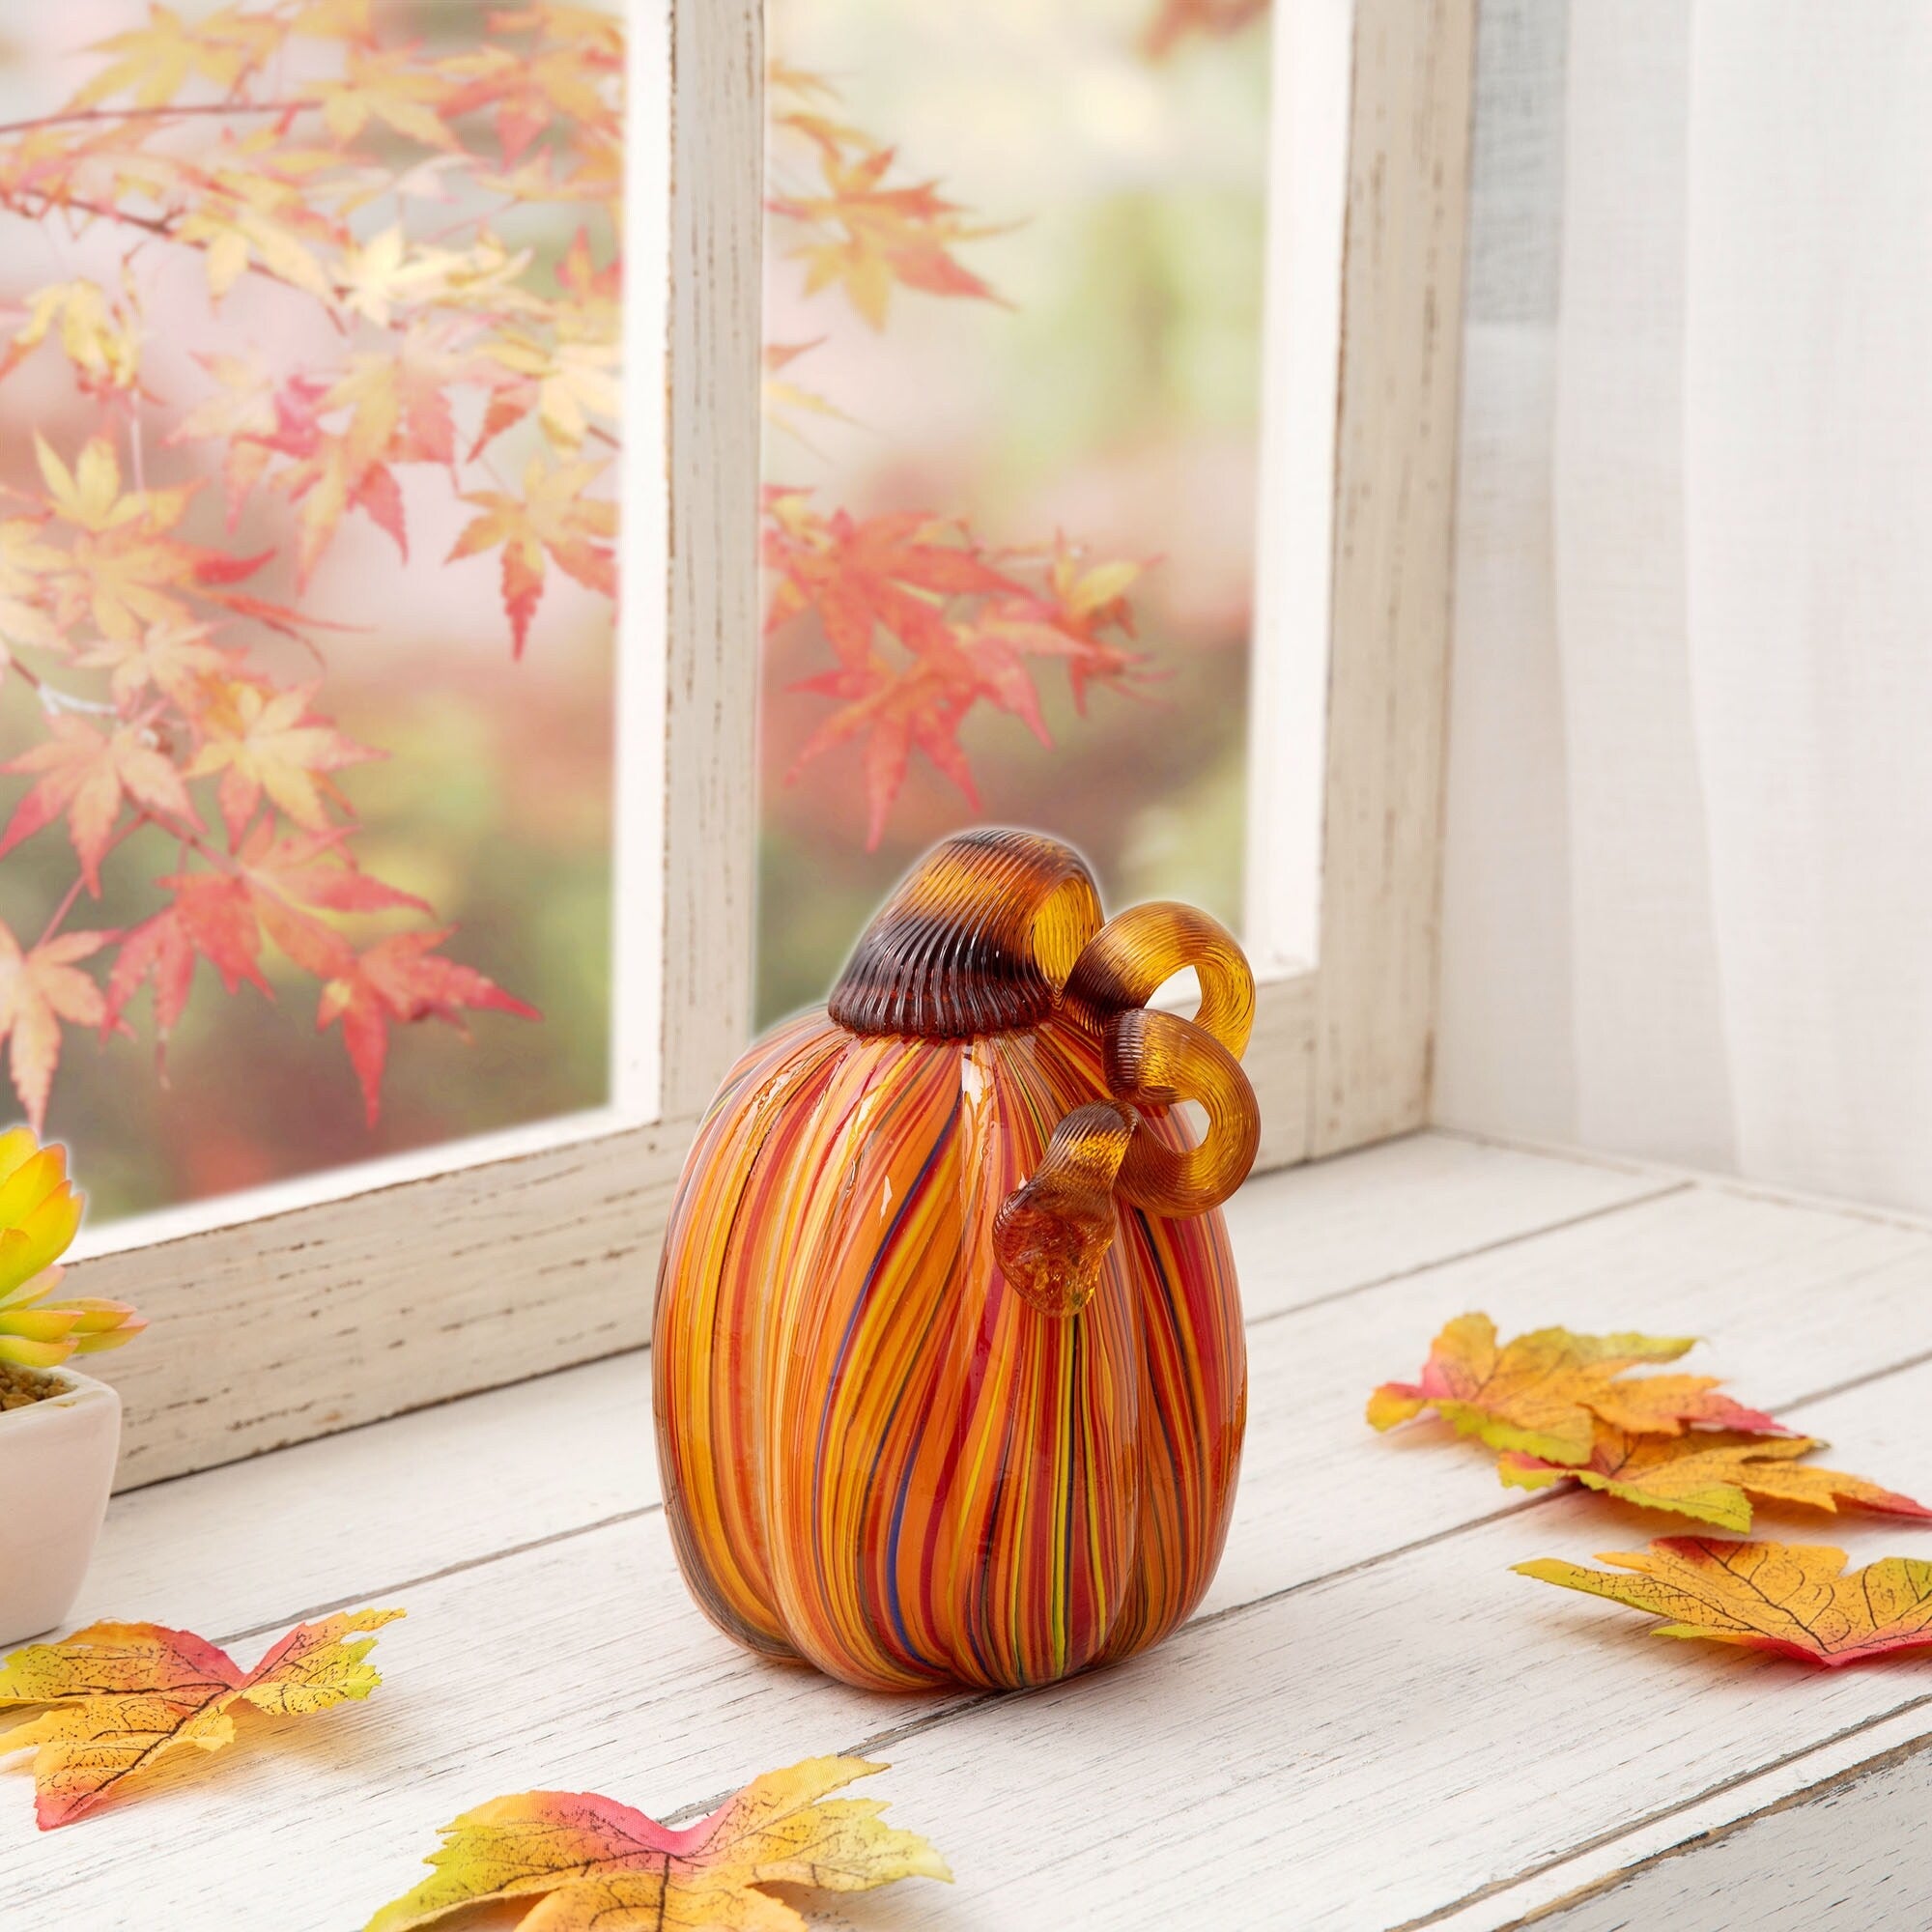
(949, 1373)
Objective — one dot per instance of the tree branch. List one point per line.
(68, 115)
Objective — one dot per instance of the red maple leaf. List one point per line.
(402, 978)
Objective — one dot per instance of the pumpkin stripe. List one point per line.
(879, 1455)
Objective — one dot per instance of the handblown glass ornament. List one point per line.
(949, 1373)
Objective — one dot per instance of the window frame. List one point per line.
(276, 1328)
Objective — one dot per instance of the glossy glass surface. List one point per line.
(940, 1394)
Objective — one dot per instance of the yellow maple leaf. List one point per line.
(1544, 1392)
(593, 1863)
(100, 338)
(265, 741)
(1791, 1599)
(393, 89)
(155, 62)
(555, 514)
(39, 988)
(1711, 1475)
(120, 1698)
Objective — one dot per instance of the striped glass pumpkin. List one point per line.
(949, 1373)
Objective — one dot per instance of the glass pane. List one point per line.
(1013, 310)
(308, 366)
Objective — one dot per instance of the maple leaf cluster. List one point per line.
(454, 351)
(924, 621)
(1560, 1407)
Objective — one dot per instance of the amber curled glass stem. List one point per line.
(1165, 1059)
(1136, 952)
(1050, 1236)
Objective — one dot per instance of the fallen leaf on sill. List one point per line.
(1544, 1393)
(1792, 1599)
(1710, 1476)
(590, 1862)
(120, 1698)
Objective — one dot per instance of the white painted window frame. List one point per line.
(406, 1283)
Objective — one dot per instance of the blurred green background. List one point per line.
(1116, 401)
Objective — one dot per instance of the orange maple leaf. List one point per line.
(1707, 1474)
(1544, 1393)
(86, 774)
(117, 1699)
(38, 989)
(555, 514)
(266, 741)
(1179, 20)
(401, 979)
(584, 1860)
(1791, 1599)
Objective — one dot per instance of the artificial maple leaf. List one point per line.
(1543, 1393)
(120, 1698)
(401, 979)
(38, 989)
(593, 1863)
(86, 774)
(555, 514)
(1791, 1599)
(1708, 1475)
(266, 741)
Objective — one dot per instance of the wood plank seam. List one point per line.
(1582, 1849)
(1472, 1253)
(1736, 1184)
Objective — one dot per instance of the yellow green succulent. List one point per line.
(40, 1214)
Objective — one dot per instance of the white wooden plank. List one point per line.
(1342, 1223)
(253, 1544)
(1363, 1754)
(581, 1667)
(1355, 1753)
(1855, 1854)
(1273, 1741)
(1794, 1302)
(450, 1484)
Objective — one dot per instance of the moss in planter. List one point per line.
(18, 1387)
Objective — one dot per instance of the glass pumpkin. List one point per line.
(950, 1380)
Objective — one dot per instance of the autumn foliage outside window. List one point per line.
(1012, 309)
(290, 280)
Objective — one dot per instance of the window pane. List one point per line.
(308, 433)
(1014, 358)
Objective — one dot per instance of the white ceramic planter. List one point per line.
(56, 1468)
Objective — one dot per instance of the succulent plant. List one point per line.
(40, 1213)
